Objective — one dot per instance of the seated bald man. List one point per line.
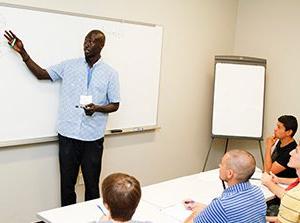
(240, 202)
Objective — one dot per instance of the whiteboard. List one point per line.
(238, 103)
(29, 106)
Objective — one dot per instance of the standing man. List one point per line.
(240, 202)
(89, 91)
(276, 161)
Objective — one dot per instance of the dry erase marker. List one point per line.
(254, 178)
(116, 130)
(13, 42)
(189, 202)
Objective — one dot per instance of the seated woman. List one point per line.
(121, 195)
(289, 210)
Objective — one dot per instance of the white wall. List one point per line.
(270, 29)
(194, 31)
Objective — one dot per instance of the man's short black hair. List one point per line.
(289, 122)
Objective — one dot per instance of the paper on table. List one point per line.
(177, 211)
(256, 176)
(150, 213)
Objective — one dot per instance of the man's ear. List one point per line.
(106, 206)
(289, 132)
(230, 174)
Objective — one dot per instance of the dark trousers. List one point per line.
(74, 153)
(273, 207)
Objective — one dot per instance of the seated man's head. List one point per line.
(121, 195)
(286, 127)
(237, 166)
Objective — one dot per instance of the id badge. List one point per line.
(85, 99)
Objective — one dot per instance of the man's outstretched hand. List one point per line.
(14, 41)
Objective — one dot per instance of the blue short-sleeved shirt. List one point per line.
(240, 203)
(103, 87)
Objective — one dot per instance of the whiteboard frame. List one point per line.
(76, 14)
(244, 60)
(37, 140)
(21, 142)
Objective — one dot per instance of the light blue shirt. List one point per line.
(240, 203)
(103, 87)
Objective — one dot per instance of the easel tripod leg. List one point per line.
(226, 145)
(261, 153)
(207, 154)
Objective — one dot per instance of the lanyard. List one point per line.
(89, 77)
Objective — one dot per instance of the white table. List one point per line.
(88, 212)
(160, 203)
(202, 187)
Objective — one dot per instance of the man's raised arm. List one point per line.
(18, 46)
